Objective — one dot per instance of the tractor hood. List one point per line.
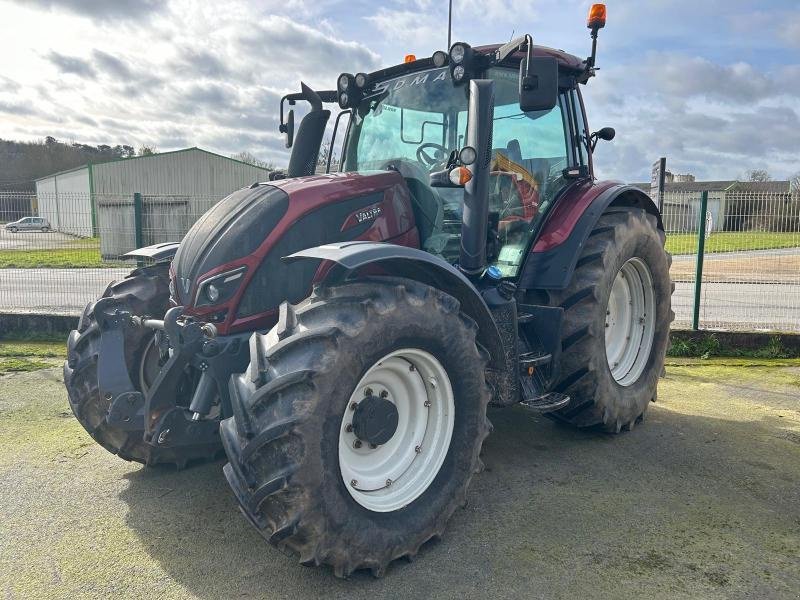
(238, 244)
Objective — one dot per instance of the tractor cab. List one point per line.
(414, 122)
(413, 118)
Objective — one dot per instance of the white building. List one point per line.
(176, 187)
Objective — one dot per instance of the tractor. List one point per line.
(341, 334)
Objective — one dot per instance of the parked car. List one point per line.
(29, 224)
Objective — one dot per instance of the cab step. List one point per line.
(533, 359)
(547, 403)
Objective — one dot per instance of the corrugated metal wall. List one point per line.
(177, 188)
(184, 173)
(64, 200)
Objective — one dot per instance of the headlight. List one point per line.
(458, 73)
(457, 53)
(219, 288)
(344, 81)
(361, 80)
(439, 58)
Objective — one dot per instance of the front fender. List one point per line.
(418, 265)
(552, 260)
(156, 252)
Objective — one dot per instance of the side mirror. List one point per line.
(606, 133)
(538, 85)
(288, 128)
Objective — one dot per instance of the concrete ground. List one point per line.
(701, 501)
(34, 240)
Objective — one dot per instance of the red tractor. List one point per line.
(341, 335)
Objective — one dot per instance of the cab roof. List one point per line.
(565, 60)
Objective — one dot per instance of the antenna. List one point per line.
(449, 25)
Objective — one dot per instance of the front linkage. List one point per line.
(188, 351)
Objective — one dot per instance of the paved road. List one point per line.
(57, 291)
(700, 501)
(35, 240)
(741, 254)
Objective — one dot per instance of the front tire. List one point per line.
(304, 478)
(617, 315)
(144, 292)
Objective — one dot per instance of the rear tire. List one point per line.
(611, 380)
(13, 229)
(287, 466)
(144, 292)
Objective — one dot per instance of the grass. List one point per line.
(81, 254)
(16, 356)
(732, 241)
(710, 346)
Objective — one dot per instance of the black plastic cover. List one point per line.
(233, 228)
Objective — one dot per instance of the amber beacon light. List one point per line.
(597, 17)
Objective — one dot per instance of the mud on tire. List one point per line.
(288, 407)
(597, 399)
(144, 292)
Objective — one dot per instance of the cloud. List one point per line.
(103, 10)
(72, 65)
(688, 77)
(789, 30)
(295, 47)
(111, 65)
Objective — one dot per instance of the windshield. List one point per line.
(413, 123)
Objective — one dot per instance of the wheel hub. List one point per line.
(630, 321)
(389, 455)
(375, 420)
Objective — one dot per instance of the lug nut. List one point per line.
(388, 482)
(353, 405)
(357, 444)
(353, 482)
(412, 368)
(417, 449)
(348, 428)
(384, 394)
(368, 392)
(427, 403)
(373, 446)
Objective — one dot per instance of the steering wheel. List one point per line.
(425, 158)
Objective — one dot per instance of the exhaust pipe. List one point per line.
(475, 219)
(305, 151)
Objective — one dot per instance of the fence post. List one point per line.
(137, 224)
(701, 248)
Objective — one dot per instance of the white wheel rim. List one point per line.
(630, 322)
(393, 475)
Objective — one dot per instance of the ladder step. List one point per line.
(547, 403)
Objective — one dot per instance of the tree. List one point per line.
(248, 158)
(794, 183)
(147, 150)
(758, 175)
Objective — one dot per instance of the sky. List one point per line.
(713, 85)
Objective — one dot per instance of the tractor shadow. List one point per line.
(653, 503)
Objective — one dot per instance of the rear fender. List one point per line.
(418, 265)
(552, 260)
